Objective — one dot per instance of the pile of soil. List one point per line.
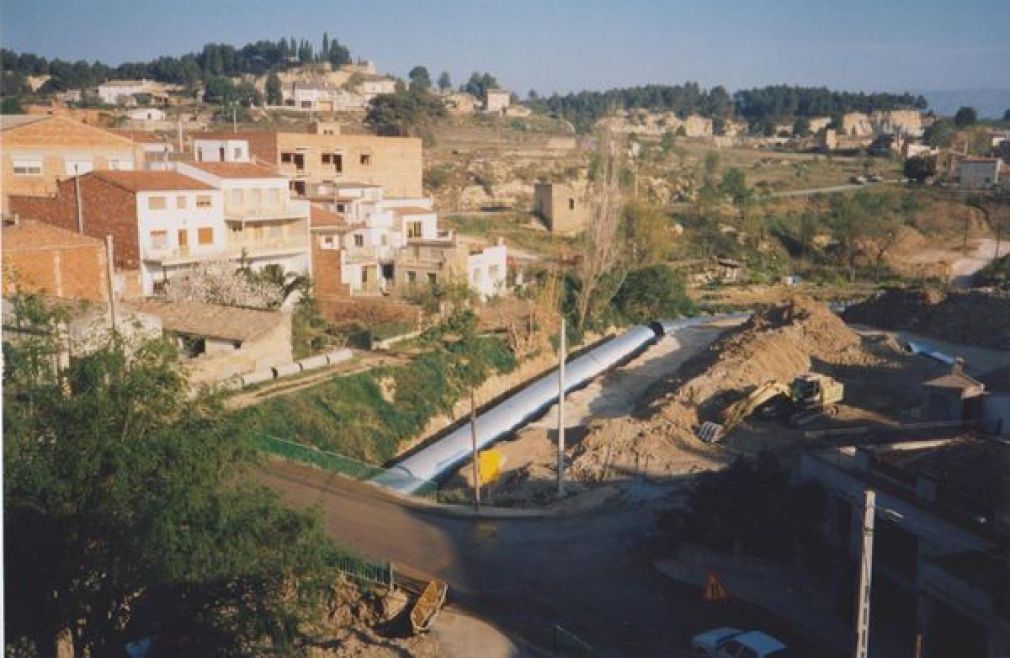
(776, 344)
(975, 317)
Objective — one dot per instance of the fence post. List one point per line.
(392, 581)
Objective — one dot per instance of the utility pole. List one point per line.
(109, 273)
(234, 118)
(561, 411)
(865, 577)
(476, 455)
(77, 194)
(178, 129)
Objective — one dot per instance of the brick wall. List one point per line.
(327, 279)
(107, 209)
(76, 272)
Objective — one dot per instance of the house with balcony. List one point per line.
(160, 221)
(264, 225)
(942, 524)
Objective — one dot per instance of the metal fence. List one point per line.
(334, 462)
(368, 572)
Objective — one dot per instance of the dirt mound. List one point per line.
(976, 316)
(776, 344)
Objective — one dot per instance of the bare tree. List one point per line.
(602, 243)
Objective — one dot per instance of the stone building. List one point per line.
(565, 209)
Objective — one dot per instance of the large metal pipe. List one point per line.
(433, 461)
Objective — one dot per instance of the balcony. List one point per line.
(293, 209)
(234, 251)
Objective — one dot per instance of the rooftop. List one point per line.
(412, 210)
(8, 121)
(142, 136)
(209, 320)
(237, 169)
(32, 235)
(144, 181)
(320, 216)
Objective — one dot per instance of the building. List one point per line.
(146, 114)
(154, 147)
(216, 343)
(954, 396)
(265, 226)
(318, 95)
(160, 221)
(496, 100)
(979, 172)
(38, 151)
(460, 102)
(943, 514)
(46, 259)
(221, 149)
(385, 246)
(563, 208)
(125, 92)
(324, 157)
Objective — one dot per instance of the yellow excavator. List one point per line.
(811, 395)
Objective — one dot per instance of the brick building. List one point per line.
(160, 221)
(38, 151)
(325, 157)
(42, 258)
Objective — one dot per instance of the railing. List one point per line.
(233, 250)
(293, 209)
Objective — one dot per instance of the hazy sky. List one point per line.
(562, 45)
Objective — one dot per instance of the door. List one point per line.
(183, 241)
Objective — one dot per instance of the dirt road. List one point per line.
(984, 251)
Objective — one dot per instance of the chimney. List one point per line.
(958, 366)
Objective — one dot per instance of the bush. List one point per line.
(652, 293)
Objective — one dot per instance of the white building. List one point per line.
(395, 244)
(496, 100)
(265, 226)
(146, 114)
(221, 150)
(123, 92)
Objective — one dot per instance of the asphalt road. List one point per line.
(583, 572)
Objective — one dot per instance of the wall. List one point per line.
(76, 271)
(270, 349)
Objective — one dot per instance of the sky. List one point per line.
(565, 45)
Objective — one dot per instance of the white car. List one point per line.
(724, 643)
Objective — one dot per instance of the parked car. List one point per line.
(724, 643)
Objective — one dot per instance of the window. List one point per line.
(366, 159)
(203, 201)
(307, 104)
(180, 202)
(340, 207)
(236, 197)
(28, 167)
(205, 235)
(411, 277)
(571, 204)
(199, 154)
(156, 203)
(159, 239)
(359, 240)
(236, 154)
(328, 242)
(414, 229)
(78, 167)
(475, 276)
(287, 158)
(432, 279)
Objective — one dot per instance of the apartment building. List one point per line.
(324, 157)
(265, 226)
(161, 221)
(38, 151)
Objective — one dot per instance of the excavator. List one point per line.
(810, 396)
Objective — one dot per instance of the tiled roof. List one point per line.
(237, 169)
(209, 320)
(141, 136)
(32, 235)
(144, 181)
(320, 216)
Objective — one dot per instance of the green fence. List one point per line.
(363, 571)
(332, 461)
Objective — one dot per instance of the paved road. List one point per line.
(525, 575)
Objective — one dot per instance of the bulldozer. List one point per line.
(810, 396)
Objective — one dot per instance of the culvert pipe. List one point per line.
(435, 460)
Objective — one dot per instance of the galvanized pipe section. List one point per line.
(435, 460)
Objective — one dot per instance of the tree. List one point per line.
(940, 134)
(444, 82)
(275, 95)
(221, 90)
(734, 185)
(644, 228)
(478, 84)
(965, 117)
(919, 168)
(127, 512)
(402, 112)
(656, 291)
(801, 127)
(324, 52)
(420, 80)
(1006, 115)
(602, 250)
